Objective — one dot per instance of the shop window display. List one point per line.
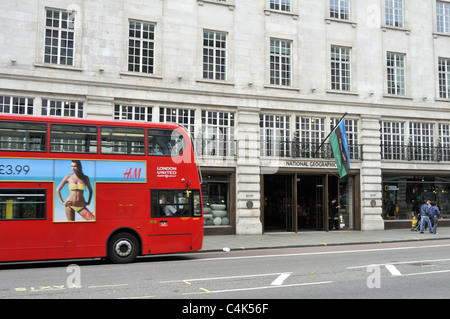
(215, 192)
(403, 195)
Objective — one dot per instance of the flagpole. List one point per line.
(334, 129)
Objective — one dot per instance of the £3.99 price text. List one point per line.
(14, 170)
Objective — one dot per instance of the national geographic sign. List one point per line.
(312, 164)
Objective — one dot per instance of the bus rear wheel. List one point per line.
(123, 248)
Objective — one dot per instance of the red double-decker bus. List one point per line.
(81, 188)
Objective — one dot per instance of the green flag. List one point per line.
(339, 144)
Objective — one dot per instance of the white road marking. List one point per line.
(321, 253)
(393, 270)
(281, 278)
(222, 278)
(402, 263)
(266, 287)
(428, 272)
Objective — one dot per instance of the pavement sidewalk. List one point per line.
(317, 238)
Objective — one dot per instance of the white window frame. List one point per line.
(443, 17)
(144, 35)
(62, 108)
(392, 140)
(135, 113)
(182, 116)
(341, 9)
(275, 135)
(396, 73)
(340, 68)
(444, 138)
(444, 78)
(280, 62)
(394, 13)
(280, 5)
(218, 133)
(214, 52)
(59, 49)
(16, 105)
(421, 140)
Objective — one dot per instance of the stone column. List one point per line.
(248, 188)
(371, 180)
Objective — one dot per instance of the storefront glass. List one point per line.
(346, 218)
(216, 200)
(403, 195)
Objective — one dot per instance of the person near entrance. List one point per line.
(435, 214)
(425, 216)
(334, 212)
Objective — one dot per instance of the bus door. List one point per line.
(175, 220)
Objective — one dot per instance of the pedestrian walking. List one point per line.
(435, 214)
(425, 216)
(333, 212)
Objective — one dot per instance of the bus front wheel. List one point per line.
(123, 248)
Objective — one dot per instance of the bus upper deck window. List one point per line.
(123, 140)
(73, 138)
(165, 142)
(23, 136)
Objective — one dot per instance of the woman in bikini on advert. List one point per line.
(75, 202)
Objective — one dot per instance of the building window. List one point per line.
(444, 138)
(275, 135)
(310, 132)
(392, 140)
(421, 141)
(218, 133)
(280, 62)
(184, 117)
(16, 105)
(216, 199)
(214, 55)
(281, 5)
(443, 16)
(59, 37)
(394, 13)
(340, 9)
(340, 68)
(133, 113)
(404, 195)
(396, 73)
(444, 77)
(141, 47)
(62, 108)
(351, 127)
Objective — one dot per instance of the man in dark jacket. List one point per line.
(334, 212)
(435, 214)
(425, 216)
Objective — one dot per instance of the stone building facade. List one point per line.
(259, 84)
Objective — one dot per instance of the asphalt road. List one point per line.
(388, 271)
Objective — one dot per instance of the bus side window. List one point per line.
(196, 204)
(20, 204)
(165, 142)
(65, 138)
(175, 203)
(31, 137)
(122, 140)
